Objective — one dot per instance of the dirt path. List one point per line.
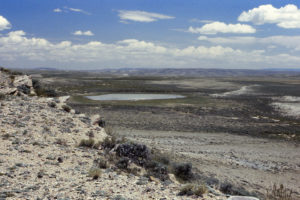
(253, 163)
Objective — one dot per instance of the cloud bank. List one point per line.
(19, 50)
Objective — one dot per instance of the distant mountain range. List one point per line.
(198, 72)
(191, 72)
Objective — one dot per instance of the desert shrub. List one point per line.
(41, 91)
(6, 136)
(279, 193)
(46, 92)
(52, 104)
(157, 169)
(228, 188)
(138, 153)
(66, 108)
(36, 84)
(2, 69)
(109, 142)
(90, 143)
(186, 190)
(183, 171)
(95, 173)
(193, 189)
(157, 156)
(109, 131)
(2, 96)
(61, 141)
(101, 163)
(101, 123)
(199, 190)
(12, 78)
(123, 163)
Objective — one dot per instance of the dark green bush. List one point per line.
(183, 171)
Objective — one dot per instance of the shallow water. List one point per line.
(133, 97)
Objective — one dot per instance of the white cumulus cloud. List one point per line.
(4, 23)
(85, 33)
(220, 27)
(284, 17)
(141, 16)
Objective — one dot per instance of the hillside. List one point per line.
(45, 153)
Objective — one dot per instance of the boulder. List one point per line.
(22, 81)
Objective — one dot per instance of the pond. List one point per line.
(133, 97)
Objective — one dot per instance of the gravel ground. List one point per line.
(253, 163)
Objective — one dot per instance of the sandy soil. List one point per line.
(253, 163)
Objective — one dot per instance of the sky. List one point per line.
(101, 34)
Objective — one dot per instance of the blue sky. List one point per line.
(94, 34)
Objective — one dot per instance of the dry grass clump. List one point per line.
(2, 96)
(90, 143)
(66, 108)
(61, 141)
(95, 173)
(279, 193)
(193, 189)
(199, 190)
(110, 131)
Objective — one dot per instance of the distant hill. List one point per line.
(196, 72)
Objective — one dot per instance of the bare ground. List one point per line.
(254, 163)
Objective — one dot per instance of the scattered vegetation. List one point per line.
(279, 193)
(95, 173)
(10, 72)
(66, 108)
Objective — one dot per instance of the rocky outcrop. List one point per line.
(15, 85)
